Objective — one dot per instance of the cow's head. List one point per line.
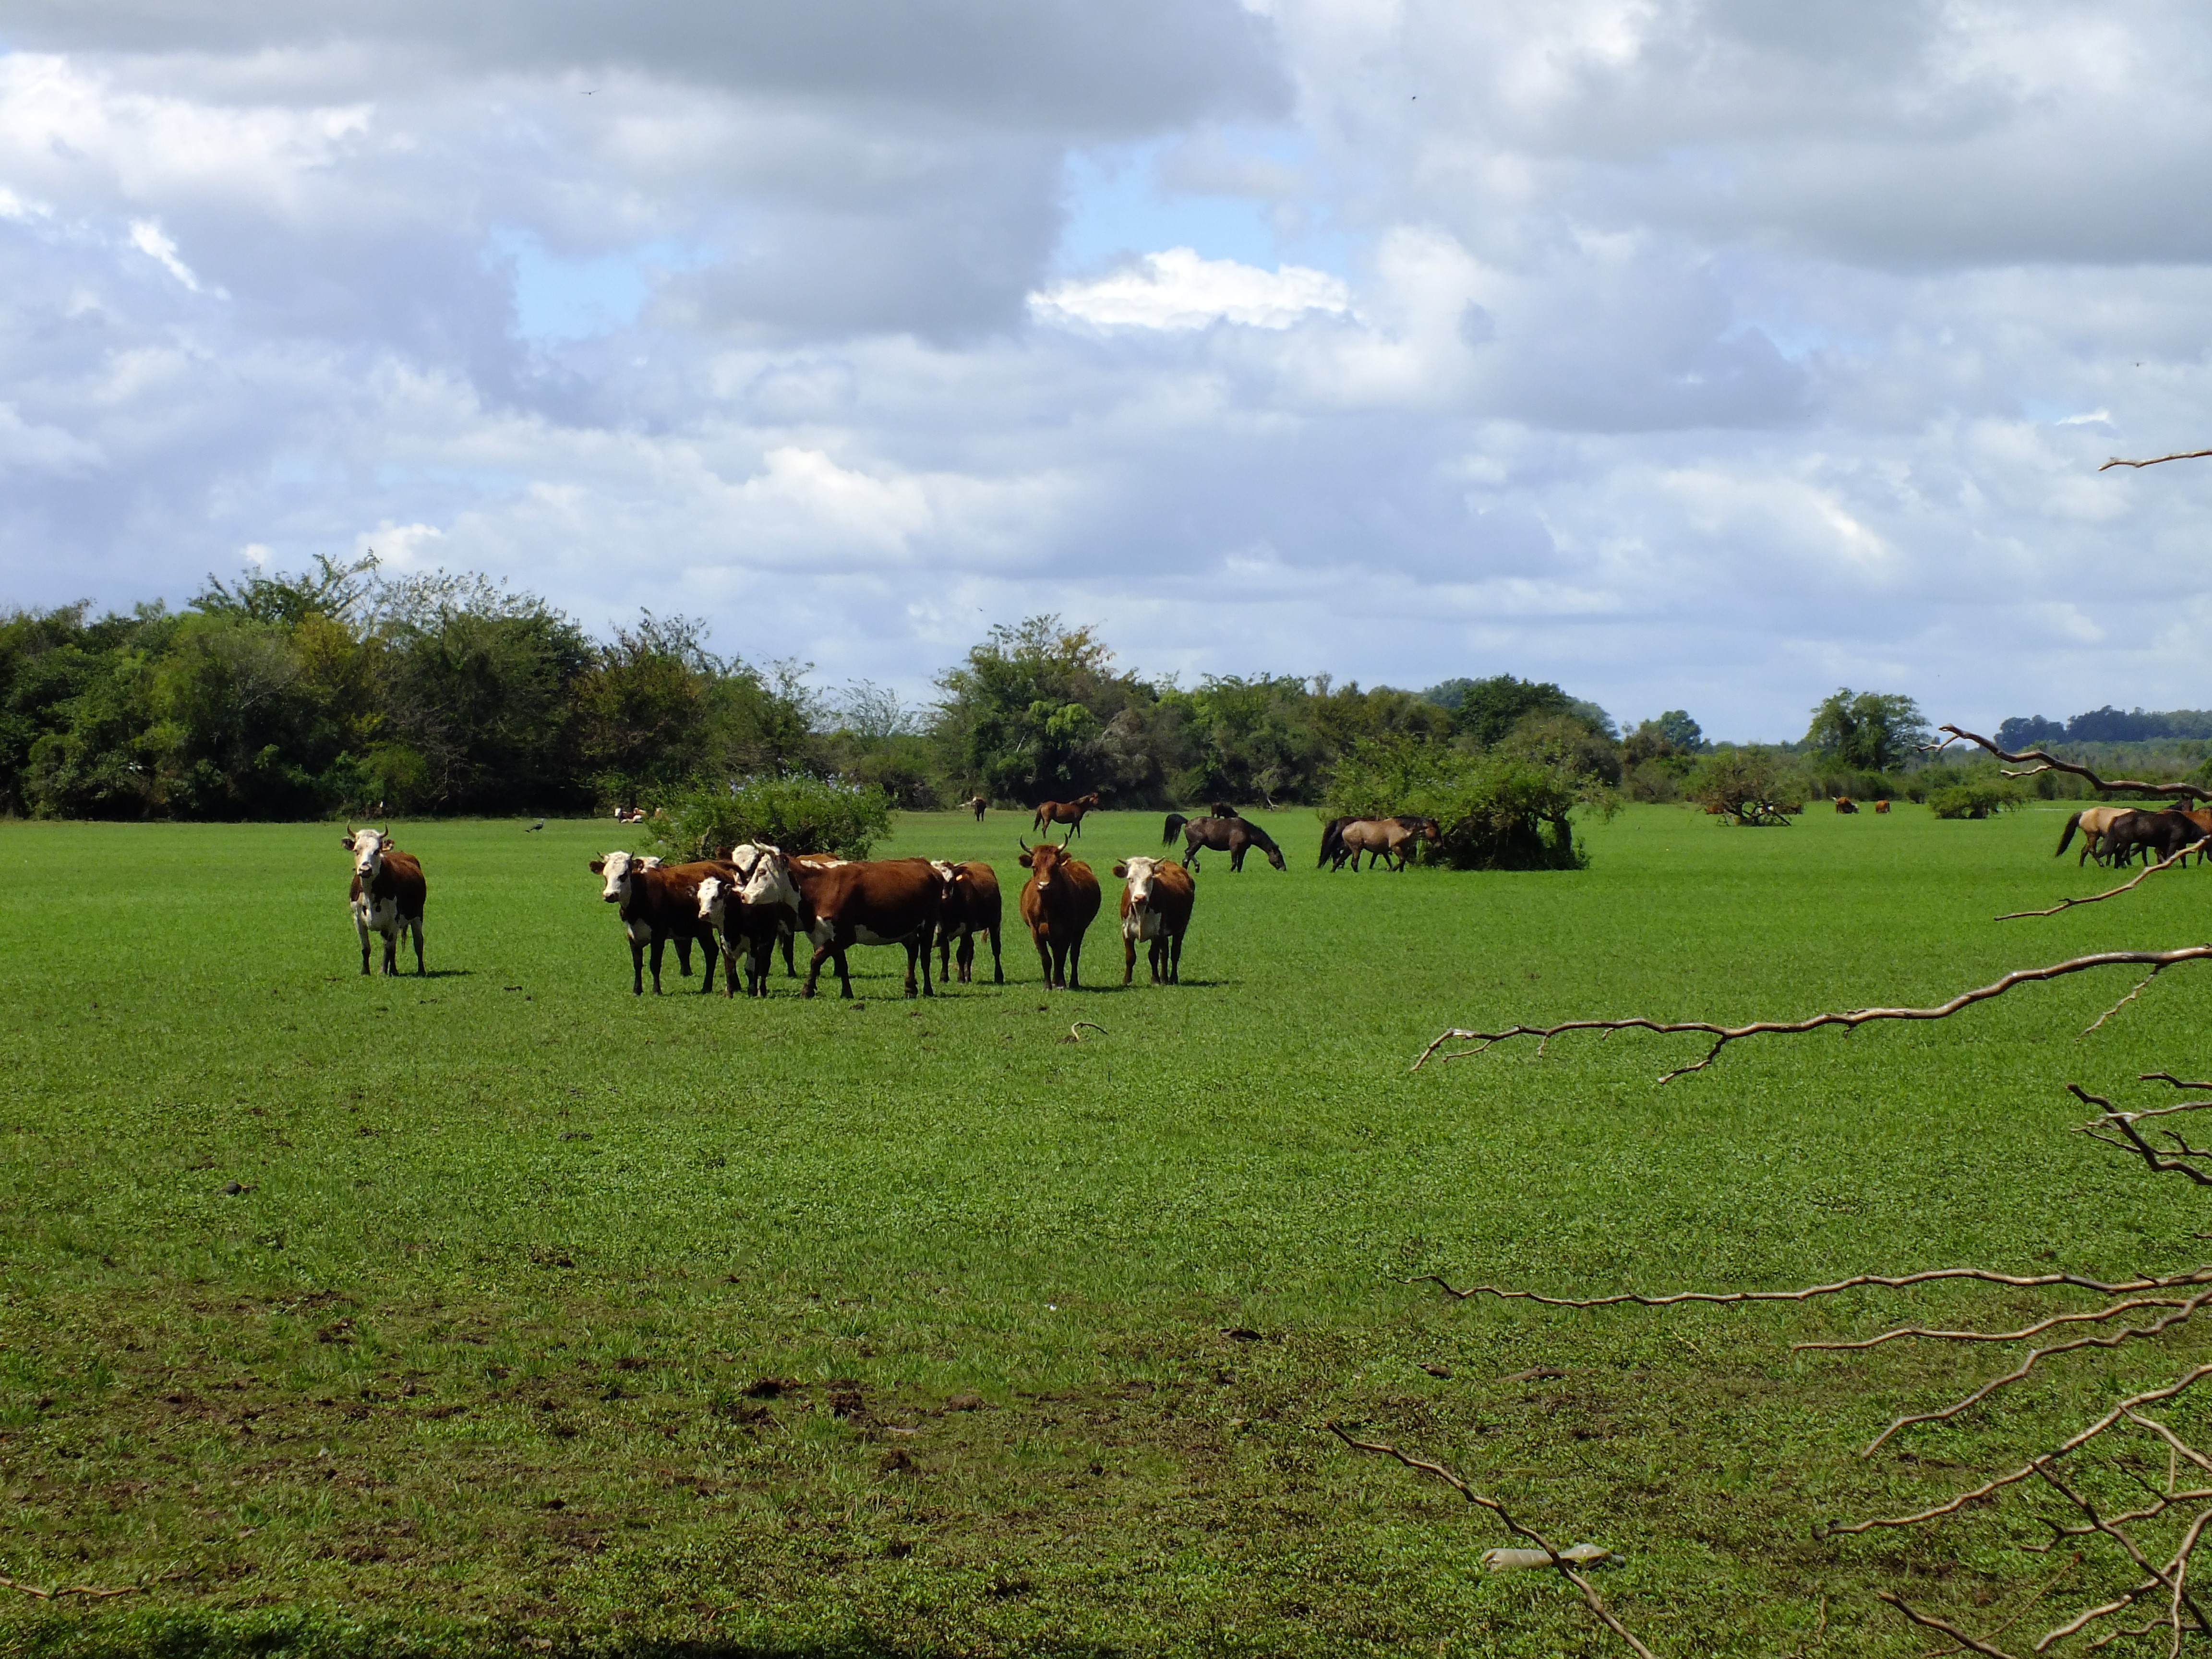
(368, 848)
(618, 868)
(1139, 873)
(714, 895)
(1043, 861)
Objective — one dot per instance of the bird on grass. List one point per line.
(540, 824)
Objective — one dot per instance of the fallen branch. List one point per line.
(2157, 460)
(1849, 1020)
(90, 1591)
(2046, 762)
(2143, 875)
(1559, 1562)
(2164, 1160)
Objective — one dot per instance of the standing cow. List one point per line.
(1058, 901)
(660, 902)
(386, 894)
(1156, 900)
(979, 804)
(752, 909)
(971, 907)
(878, 902)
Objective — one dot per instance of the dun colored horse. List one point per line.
(1069, 812)
(2093, 821)
(1387, 839)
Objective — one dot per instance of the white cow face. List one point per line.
(618, 867)
(713, 899)
(1139, 874)
(368, 847)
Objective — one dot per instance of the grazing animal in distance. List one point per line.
(386, 894)
(877, 902)
(659, 902)
(1384, 840)
(1058, 901)
(1222, 809)
(540, 824)
(1156, 903)
(1069, 812)
(1881, 807)
(979, 804)
(1235, 836)
(2163, 834)
(972, 906)
(1845, 804)
(2093, 821)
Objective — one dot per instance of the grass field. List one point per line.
(545, 1318)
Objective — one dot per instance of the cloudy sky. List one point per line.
(1693, 353)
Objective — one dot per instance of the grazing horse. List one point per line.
(1845, 804)
(1069, 812)
(1235, 836)
(2093, 821)
(1386, 839)
(2162, 833)
(979, 803)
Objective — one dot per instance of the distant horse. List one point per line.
(2093, 821)
(1235, 836)
(1069, 812)
(979, 803)
(1222, 809)
(1387, 839)
(1332, 843)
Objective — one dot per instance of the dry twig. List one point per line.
(1849, 1020)
(2177, 1159)
(2156, 460)
(2046, 762)
(1564, 1567)
(2141, 875)
(90, 1591)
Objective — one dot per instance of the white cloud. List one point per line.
(151, 240)
(1177, 290)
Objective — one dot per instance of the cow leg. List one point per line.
(660, 944)
(414, 927)
(637, 969)
(1174, 960)
(709, 952)
(909, 966)
(844, 971)
(392, 953)
(361, 927)
(684, 955)
(998, 973)
(1129, 960)
(1075, 964)
(1044, 961)
(789, 971)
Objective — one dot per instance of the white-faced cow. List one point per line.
(751, 909)
(880, 902)
(1156, 900)
(386, 894)
(659, 903)
(1058, 901)
(971, 907)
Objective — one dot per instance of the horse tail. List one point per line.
(1175, 822)
(2068, 835)
(1332, 841)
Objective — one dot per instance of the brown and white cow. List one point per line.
(971, 907)
(1156, 899)
(1058, 901)
(751, 909)
(386, 894)
(660, 902)
(880, 901)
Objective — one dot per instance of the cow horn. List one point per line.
(1019, 842)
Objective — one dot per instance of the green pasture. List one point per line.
(502, 1311)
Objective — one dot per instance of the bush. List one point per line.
(1496, 810)
(1752, 785)
(798, 814)
(1978, 798)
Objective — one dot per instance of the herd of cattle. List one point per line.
(741, 908)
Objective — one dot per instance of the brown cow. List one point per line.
(1881, 807)
(881, 902)
(1058, 901)
(659, 903)
(971, 907)
(386, 894)
(979, 803)
(1156, 900)
(1845, 804)
(1069, 812)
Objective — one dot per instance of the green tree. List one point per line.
(1484, 711)
(1026, 716)
(640, 705)
(1870, 731)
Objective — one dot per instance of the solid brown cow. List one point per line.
(1881, 807)
(386, 894)
(971, 907)
(1058, 901)
(659, 903)
(1156, 900)
(1069, 812)
(881, 902)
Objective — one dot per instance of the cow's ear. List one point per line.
(599, 867)
(1024, 860)
(346, 841)
(1123, 870)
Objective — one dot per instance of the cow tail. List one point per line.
(1175, 822)
(2068, 835)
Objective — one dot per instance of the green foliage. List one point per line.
(1499, 811)
(796, 813)
(1869, 730)
(1485, 711)
(1752, 785)
(1975, 797)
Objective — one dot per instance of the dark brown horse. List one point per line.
(1235, 836)
(2162, 833)
(1069, 812)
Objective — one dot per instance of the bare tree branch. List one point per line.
(2143, 875)
(1849, 1020)
(2157, 460)
(93, 1591)
(2165, 1161)
(1929, 1621)
(2046, 762)
(1481, 1500)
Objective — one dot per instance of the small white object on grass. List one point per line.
(1580, 1555)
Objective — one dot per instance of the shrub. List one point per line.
(798, 814)
(1496, 810)
(1977, 798)
(1752, 785)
